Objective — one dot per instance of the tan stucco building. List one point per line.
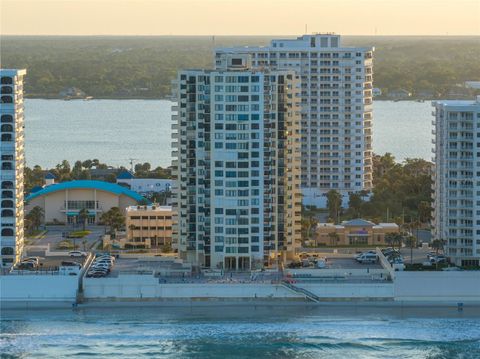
(149, 226)
(353, 232)
(62, 202)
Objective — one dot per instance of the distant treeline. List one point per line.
(88, 170)
(143, 67)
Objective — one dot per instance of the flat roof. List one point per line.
(457, 103)
(13, 72)
(149, 208)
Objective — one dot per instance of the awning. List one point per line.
(71, 214)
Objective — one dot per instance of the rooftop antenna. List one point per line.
(306, 29)
(132, 161)
(213, 41)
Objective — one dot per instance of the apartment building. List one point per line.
(456, 208)
(237, 165)
(13, 162)
(149, 226)
(336, 103)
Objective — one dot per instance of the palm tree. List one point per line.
(393, 239)
(334, 204)
(437, 244)
(83, 216)
(411, 242)
(35, 216)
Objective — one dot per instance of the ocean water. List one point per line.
(242, 332)
(116, 130)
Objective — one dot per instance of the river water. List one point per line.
(116, 130)
(242, 332)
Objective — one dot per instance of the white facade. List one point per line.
(12, 166)
(457, 186)
(237, 163)
(336, 99)
(147, 185)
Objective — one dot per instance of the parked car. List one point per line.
(96, 274)
(321, 263)
(358, 255)
(35, 260)
(438, 259)
(27, 266)
(105, 256)
(101, 266)
(367, 258)
(104, 260)
(77, 254)
(431, 254)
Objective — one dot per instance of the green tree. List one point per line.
(35, 217)
(424, 211)
(83, 217)
(437, 245)
(355, 204)
(411, 242)
(113, 218)
(393, 239)
(334, 204)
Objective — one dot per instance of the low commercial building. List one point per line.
(354, 232)
(149, 226)
(144, 185)
(62, 202)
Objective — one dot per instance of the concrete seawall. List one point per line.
(408, 288)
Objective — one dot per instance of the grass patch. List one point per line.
(78, 234)
(36, 233)
(66, 244)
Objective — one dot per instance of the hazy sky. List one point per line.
(239, 17)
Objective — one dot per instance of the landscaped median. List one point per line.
(78, 234)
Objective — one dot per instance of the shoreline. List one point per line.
(53, 97)
(348, 303)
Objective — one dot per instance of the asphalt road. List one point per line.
(54, 236)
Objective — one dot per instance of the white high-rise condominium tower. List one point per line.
(336, 101)
(237, 166)
(12, 166)
(456, 216)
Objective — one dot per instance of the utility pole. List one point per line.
(132, 161)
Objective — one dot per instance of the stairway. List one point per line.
(308, 295)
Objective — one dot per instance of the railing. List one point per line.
(308, 295)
